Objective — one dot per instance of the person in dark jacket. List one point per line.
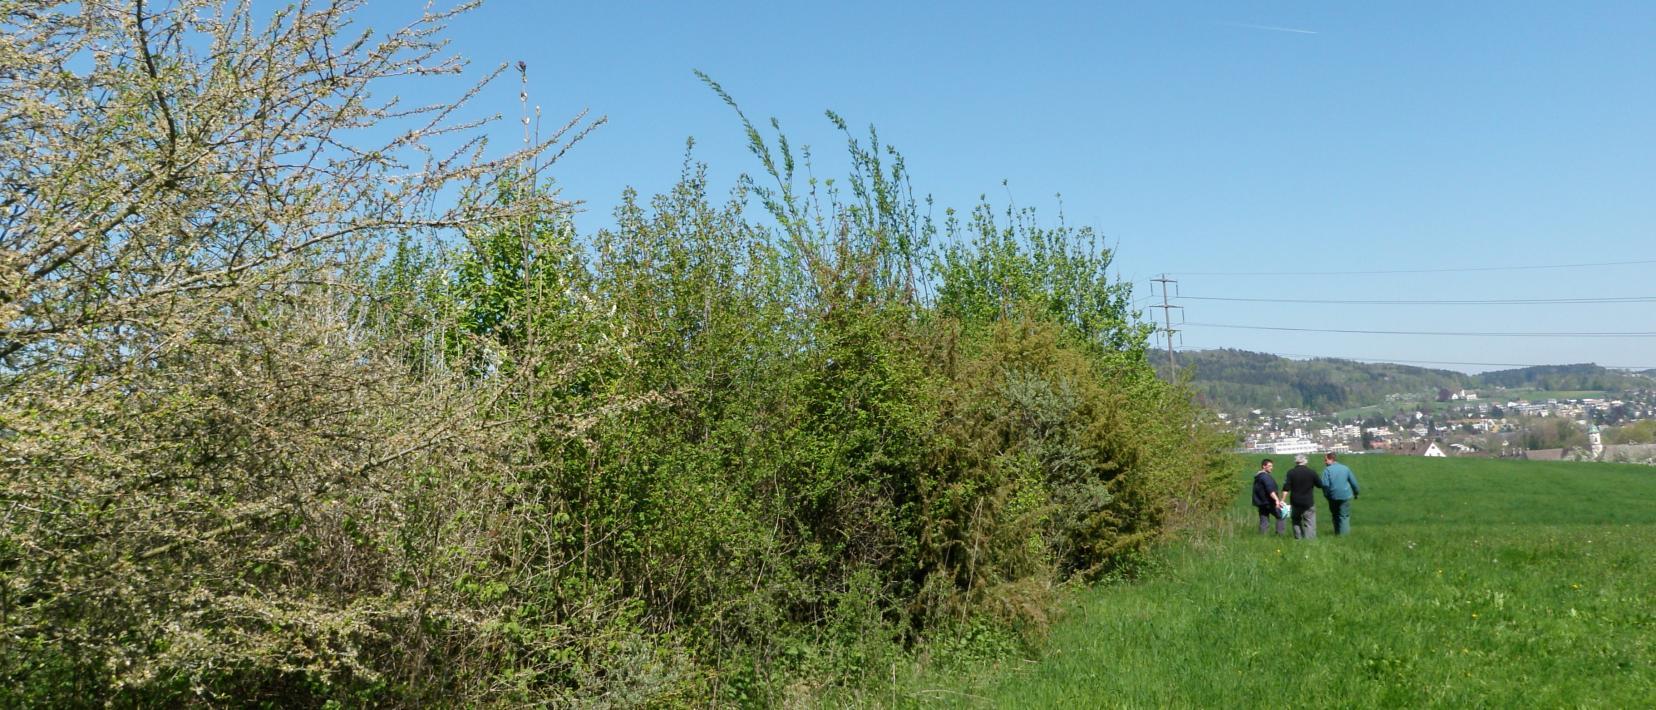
(1301, 485)
(1265, 498)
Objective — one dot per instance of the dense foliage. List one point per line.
(1639, 432)
(276, 432)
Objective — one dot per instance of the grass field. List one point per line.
(1466, 582)
(1503, 396)
(1389, 408)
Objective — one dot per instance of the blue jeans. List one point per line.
(1341, 510)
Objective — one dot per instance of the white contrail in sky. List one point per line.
(1272, 28)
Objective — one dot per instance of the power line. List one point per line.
(1433, 302)
(1401, 361)
(1456, 270)
(1167, 315)
(1641, 334)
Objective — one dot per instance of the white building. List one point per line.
(1293, 445)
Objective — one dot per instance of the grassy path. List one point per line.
(1466, 583)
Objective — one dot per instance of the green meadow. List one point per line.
(1466, 582)
(1534, 395)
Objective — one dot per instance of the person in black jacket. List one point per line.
(1301, 485)
(1265, 498)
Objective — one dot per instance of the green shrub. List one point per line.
(712, 452)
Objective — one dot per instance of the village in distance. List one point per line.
(1283, 407)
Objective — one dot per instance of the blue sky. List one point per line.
(1296, 138)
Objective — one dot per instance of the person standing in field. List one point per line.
(1339, 486)
(1301, 484)
(1265, 498)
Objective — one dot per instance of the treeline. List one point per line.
(1639, 432)
(277, 429)
(1565, 378)
(1550, 433)
(1239, 380)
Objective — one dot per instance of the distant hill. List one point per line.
(1237, 380)
(1566, 377)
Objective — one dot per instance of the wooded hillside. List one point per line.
(1239, 380)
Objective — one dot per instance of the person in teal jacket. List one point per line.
(1340, 488)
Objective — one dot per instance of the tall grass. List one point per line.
(1465, 582)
